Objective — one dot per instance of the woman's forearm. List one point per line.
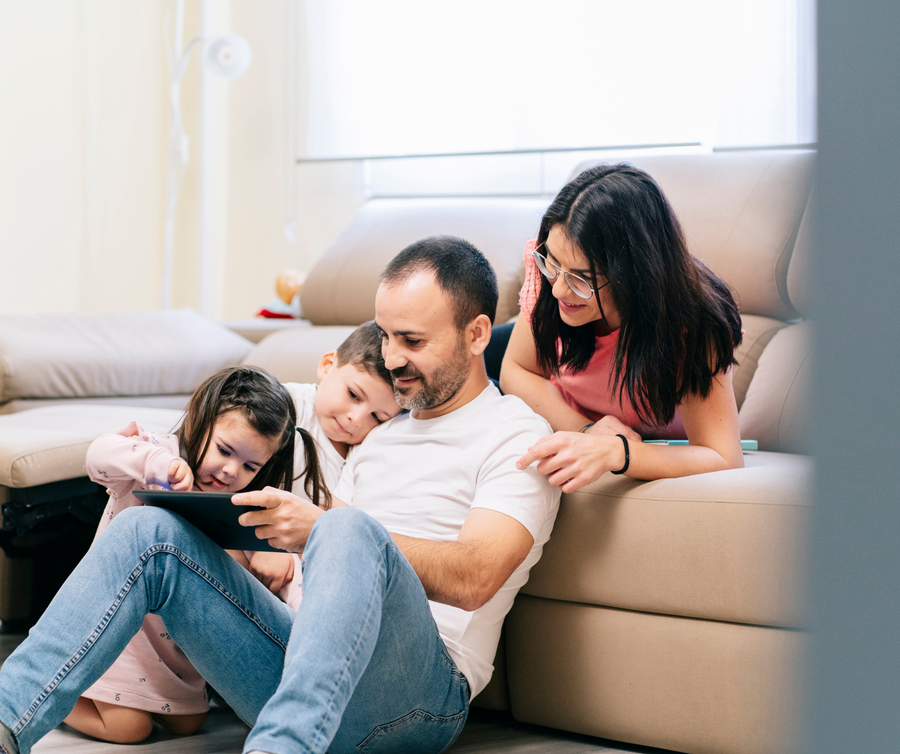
(542, 397)
(648, 461)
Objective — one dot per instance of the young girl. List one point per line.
(237, 434)
(624, 336)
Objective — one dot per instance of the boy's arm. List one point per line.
(272, 569)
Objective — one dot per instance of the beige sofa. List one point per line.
(666, 613)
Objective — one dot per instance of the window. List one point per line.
(401, 77)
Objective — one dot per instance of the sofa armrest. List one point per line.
(102, 355)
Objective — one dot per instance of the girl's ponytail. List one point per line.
(314, 485)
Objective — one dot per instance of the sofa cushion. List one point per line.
(775, 411)
(136, 353)
(726, 546)
(758, 331)
(340, 289)
(293, 355)
(740, 212)
(799, 269)
(49, 444)
(173, 400)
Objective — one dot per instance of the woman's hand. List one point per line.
(570, 460)
(611, 426)
(273, 569)
(181, 478)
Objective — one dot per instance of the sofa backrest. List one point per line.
(741, 212)
(776, 409)
(340, 289)
(86, 356)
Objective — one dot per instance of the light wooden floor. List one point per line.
(485, 732)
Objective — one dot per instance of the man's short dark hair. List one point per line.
(363, 348)
(461, 271)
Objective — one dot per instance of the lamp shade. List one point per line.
(228, 56)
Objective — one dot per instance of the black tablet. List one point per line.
(213, 513)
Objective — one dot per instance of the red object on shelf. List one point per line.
(273, 315)
(277, 309)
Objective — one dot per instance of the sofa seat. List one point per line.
(50, 508)
(152, 358)
(670, 613)
(725, 546)
(48, 444)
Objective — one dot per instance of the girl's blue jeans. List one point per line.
(361, 668)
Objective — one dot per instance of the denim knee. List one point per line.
(346, 529)
(146, 525)
(349, 522)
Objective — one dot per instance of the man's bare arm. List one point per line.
(465, 573)
(468, 572)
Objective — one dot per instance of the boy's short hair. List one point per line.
(363, 348)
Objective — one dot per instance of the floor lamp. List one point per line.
(225, 56)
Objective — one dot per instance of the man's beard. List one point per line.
(440, 387)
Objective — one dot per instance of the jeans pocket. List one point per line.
(416, 733)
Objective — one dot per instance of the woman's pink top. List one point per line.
(590, 391)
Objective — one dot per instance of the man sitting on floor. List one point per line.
(404, 592)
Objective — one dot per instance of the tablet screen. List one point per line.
(213, 513)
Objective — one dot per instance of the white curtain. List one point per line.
(435, 76)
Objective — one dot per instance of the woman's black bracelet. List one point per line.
(627, 456)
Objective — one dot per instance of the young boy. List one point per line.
(354, 395)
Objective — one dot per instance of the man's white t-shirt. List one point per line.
(420, 478)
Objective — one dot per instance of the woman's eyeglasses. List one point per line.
(579, 286)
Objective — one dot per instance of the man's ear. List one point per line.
(478, 334)
(326, 364)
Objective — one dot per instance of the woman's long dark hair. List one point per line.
(269, 409)
(679, 322)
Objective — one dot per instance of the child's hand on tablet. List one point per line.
(181, 478)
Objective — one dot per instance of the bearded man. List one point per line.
(406, 580)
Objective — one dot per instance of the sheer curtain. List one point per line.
(405, 76)
(401, 77)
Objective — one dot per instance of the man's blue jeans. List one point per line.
(364, 669)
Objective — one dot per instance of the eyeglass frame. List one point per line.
(537, 256)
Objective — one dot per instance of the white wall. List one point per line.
(83, 162)
(80, 156)
(328, 196)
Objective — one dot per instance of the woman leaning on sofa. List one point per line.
(624, 337)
